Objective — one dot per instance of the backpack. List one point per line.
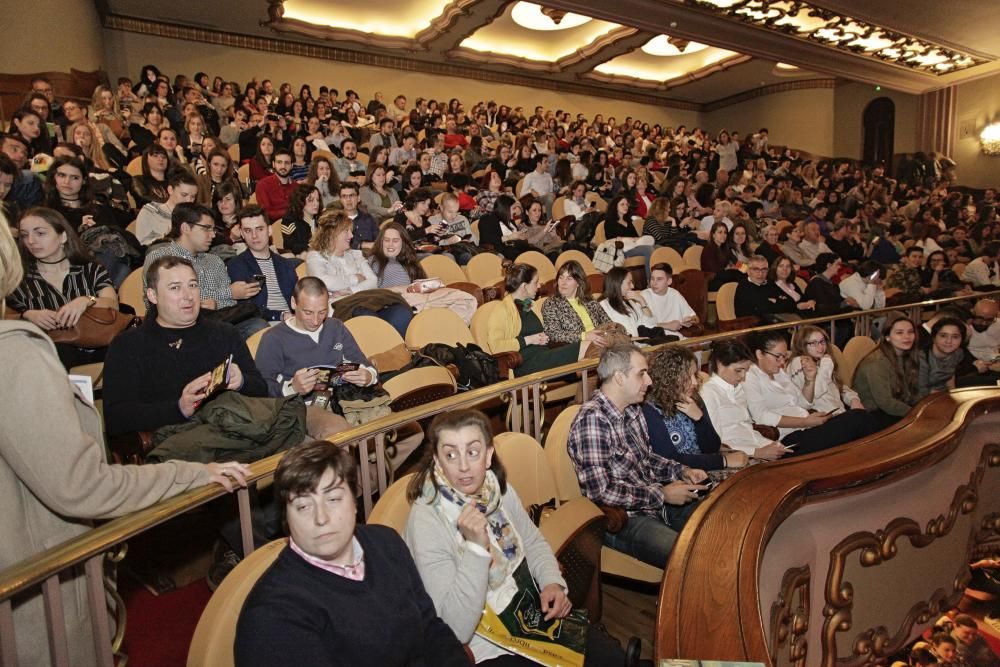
(475, 367)
(583, 229)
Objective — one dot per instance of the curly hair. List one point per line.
(670, 370)
(328, 227)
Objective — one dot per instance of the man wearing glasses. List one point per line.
(760, 297)
(192, 230)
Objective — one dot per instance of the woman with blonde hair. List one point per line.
(814, 371)
(54, 475)
(104, 107)
(82, 135)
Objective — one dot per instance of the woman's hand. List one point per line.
(806, 305)
(87, 222)
(770, 452)
(555, 604)
(816, 419)
(595, 338)
(690, 408)
(472, 526)
(43, 319)
(809, 368)
(856, 404)
(537, 339)
(70, 313)
(230, 475)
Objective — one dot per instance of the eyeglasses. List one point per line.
(208, 228)
(779, 357)
(821, 341)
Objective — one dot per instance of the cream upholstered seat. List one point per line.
(437, 325)
(669, 256)
(855, 350)
(443, 268)
(392, 508)
(130, 292)
(485, 269)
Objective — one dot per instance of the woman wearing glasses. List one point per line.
(774, 400)
(814, 371)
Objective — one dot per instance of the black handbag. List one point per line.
(240, 312)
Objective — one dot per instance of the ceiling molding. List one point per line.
(689, 77)
(783, 87)
(323, 52)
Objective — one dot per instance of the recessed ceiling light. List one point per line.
(664, 45)
(531, 16)
(786, 66)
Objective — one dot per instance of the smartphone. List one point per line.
(259, 277)
(701, 493)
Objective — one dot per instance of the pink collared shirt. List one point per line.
(355, 571)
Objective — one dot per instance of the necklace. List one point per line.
(58, 261)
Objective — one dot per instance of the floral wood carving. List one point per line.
(790, 616)
(875, 644)
(810, 23)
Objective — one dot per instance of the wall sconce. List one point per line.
(989, 139)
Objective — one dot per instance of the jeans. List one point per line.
(251, 326)
(398, 316)
(644, 537)
(644, 251)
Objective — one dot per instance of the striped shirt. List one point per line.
(35, 293)
(275, 299)
(212, 277)
(393, 274)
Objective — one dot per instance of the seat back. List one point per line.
(392, 508)
(475, 232)
(443, 268)
(599, 235)
(692, 286)
(130, 292)
(234, 153)
(243, 173)
(561, 465)
(277, 240)
(373, 335)
(855, 350)
(527, 468)
(519, 188)
(584, 261)
(253, 342)
(725, 302)
(418, 386)
(480, 324)
(212, 643)
(559, 208)
(959, 269)
(601, 202)
(670, 256)
(546, 271)
(485, 269)
(134, 167)
(437, 325)
(301, 271)
(575, 531)
(692, 257)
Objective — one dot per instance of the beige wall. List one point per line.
(799, 118)
(50, 36)
(127, 52)
(849, 103)
(979, 102)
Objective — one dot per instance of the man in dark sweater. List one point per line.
(756, 295)
(157, 374)
(338, 594)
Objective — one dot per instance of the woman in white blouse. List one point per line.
(345, 271)
(774, 400)
(814, 372)
(624, 304)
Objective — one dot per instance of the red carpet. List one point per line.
(158, 630)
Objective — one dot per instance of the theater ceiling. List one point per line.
(686, 53)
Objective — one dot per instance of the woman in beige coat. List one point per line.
(54, 476)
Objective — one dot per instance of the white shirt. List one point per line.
(341, 273)
(769, 399)
(985, 346)
(540, 183)
(669, 307)
(978, 273)
(826, 396)
(709, 220)
(631, 324)
(727, 408)
(868, 295)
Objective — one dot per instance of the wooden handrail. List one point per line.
(41, 566)
(710, 600)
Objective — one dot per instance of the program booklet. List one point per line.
(521, 628)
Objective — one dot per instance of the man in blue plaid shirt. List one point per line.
(616, 467)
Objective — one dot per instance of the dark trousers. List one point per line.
(845, 427)
(397, 315)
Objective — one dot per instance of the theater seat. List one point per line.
(212, 644)
(392, 508)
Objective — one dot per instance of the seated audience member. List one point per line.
(339, 593)
(572, 314)
(274, 274)
(364, 229)
(461, 482)
(503, 231)
(790, 238)
(944, 358)
(151, 184)
(984, 271)
(774, 400)
(720, 215)
(380, 201)
(887, 251)
(669, 307)
(394, 262)
(26, 190)
(623, 304)
(61, 281)
(153, 222)
(904, 278)
(515, 327)
(758, 296)
(57, 479)
(156, 375)
(679, 426)
(618, 225)
(345, 271)
(844, 240)
(616, 467)
(863, 288)
(299, 223)
(814, 371)
(349, 168)
(938, 280)
(970, 647)
(290, 356)
(769, 247)
(452, 230)
(220, 170)
(323, 177)
(717, 258)
(782, 274)
(812, 244)
(984, 334)
(541, 233)
(725, 400)
(946, 649)
(823, 291)
(887, 379)
(538, 183)
(191, 234)
(275, 190)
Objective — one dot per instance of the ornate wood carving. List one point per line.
(839, 31)
(876, 548)
(790, 616)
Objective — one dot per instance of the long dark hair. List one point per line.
(76, 251)
(453, 421)
(905, 366)
(502, 207)
(613, 291)
(297, 202)
(52, 198)
(407, 254)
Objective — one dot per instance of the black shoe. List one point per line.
(223, 563)
(632, 652)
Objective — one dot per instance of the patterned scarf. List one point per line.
(505, 543)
